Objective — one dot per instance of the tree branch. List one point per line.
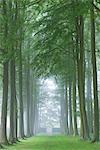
(98, 9)
(33, 3)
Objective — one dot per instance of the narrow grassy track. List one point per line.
(54, 143)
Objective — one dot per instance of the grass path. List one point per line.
(54, 143)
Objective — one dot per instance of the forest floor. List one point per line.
(54, 143)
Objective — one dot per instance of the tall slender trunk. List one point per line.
(36, 126)
(75, 105)
(15, 119)
(75, 128)
(82, 79)
(31, 105)
(3, 132)
(63, 115)
(81, 76)
(89, 96)
(78, 74)
(36, 119)
(95, 88)
(70, 108)
(13, 116)
(21, 115)
(66, 107)
(28, 97)
(34, 103)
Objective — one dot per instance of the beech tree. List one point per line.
(42, 39)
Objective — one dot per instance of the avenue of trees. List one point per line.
(42, 39)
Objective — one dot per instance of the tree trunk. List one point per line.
(95, 88)
(75, 105)
(70, 108)
(28, 97)
(13, 116)
(63, 118)
(34, 103)
(21, 115)
(31, 105)
(89, 96)
(3, 132)
(36, 119)
(66, 107)
(81, 77)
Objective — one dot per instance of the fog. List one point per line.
(49, 107)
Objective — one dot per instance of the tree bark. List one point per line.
(63, 114)
(66, 107)
(95, 88)
(21, 115)
(13, 103)
(89, 96)
(36, 113)
(3, 132)
(70, 109)
(28, 97)
(81, 77)
(31, 105)
(75, 104)
(34, 104)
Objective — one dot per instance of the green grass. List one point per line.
(54, 143)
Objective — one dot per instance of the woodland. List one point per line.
(50, 74)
